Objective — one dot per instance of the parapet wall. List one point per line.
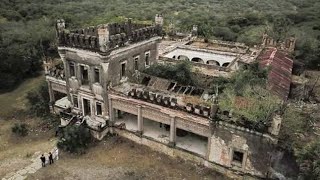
(104, 38)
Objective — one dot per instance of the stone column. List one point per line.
(172, 140)
(140, 120)
(51, 96)
(111, 111)
(66, 73)
(208, 148)
(111, 116)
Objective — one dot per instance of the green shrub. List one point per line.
(180, 72)
(309, 160)
(20, 129)
(75, 139)
(39, 101)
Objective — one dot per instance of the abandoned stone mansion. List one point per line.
(101, 83)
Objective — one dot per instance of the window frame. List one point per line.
(75, 99)
(73, 64)
(147, 55)
(85, 68)
(123, 75)
(136, 63)
(101, 106)
(236, 162)
(97, 79)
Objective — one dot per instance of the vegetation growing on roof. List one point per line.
(246, 97)
(180, 72)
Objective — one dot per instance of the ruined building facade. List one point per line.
(100, 83)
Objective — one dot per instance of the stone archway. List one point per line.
(225, 64)
(213, 62)
(197, 60)
(183, 57)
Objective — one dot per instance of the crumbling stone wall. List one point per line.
(257, 151)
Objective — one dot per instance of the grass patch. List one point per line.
(15, 101)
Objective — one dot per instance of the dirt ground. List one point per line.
(16, 152)
(119, 158)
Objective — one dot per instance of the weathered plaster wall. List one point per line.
(257, 150)
(177, 153)
(128, 57)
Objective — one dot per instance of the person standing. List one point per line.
(43, 160)
(50, 158)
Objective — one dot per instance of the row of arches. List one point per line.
(199, 60)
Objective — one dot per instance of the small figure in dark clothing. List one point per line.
(50, 158)
(43, 160)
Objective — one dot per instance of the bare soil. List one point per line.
(119, 158)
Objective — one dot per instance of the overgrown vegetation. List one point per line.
(297, 136)
(246, 97)
(309, 160)
(75, 139)
(180, 72)
(294, 125)
(20, 129)
(27, 27)
(39, 101)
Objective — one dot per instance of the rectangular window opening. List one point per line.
(98, 108)
(96, 75)
(147, 58)
(84, 75)
(136, 65)
(72, 69)
(86, 107)
(75, 101)
(123, 70)
(237, 158)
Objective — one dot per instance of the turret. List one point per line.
(60, 26)
(103, 37)
(159, 20)
(195, 30)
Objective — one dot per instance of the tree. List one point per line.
(39, 101)
(75, 139)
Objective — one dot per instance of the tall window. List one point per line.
(147, 61)
(123, 70)
(84, 75)
(86, 107)
(72, 69)
(136, 65)
(98, 108)
(96, 75)
(75, 101)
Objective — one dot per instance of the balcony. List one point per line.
(56, 71)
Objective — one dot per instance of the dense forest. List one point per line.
(27, 33)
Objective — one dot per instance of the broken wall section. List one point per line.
(241, 151)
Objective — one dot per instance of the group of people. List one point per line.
(50, 157)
